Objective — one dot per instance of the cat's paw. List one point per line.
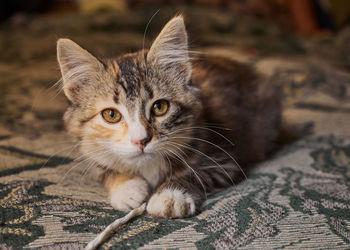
(171, 203)
(130, 194)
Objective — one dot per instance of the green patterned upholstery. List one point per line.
(299, 199)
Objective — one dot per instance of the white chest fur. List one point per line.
(153, 171)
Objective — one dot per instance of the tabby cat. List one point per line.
(166, 125)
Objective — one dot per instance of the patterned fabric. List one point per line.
(299, 199)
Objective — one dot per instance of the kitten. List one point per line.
(147, 119)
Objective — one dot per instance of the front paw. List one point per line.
(171, 203)
(129, 195)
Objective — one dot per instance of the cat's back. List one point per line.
(223, 76)
(236, 97)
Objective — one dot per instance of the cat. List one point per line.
(166, 125)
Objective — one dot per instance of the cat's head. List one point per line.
(133, 108)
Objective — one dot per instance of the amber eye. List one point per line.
(111, 115)
(160, 107)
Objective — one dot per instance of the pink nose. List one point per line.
(141, 143)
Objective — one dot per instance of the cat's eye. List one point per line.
(111, 115)
(160, 107)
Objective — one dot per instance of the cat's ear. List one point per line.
(169, 52)
(78, 67)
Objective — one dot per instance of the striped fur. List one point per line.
(220, 113)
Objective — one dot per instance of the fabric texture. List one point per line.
(300, 198)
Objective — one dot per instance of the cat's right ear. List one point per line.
(78, 67)
(169, 52)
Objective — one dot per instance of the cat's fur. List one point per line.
(213, 102)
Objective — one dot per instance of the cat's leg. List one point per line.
(175, 199)
(126, 192)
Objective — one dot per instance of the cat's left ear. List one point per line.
(79, 68)
(169, 52)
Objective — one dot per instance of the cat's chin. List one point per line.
(139, 157)
(132, 160)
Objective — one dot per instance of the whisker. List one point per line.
(204, 128)
(184, 153)
(79, 163)
(101, 153)
(144, 38)
(170, 166)
(217, 146)
(60, 151)
(214, 125)
(182, 160)
(91, 164)
(210, 158)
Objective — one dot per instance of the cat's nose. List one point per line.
(141, 143)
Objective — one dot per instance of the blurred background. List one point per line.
(302, 45)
